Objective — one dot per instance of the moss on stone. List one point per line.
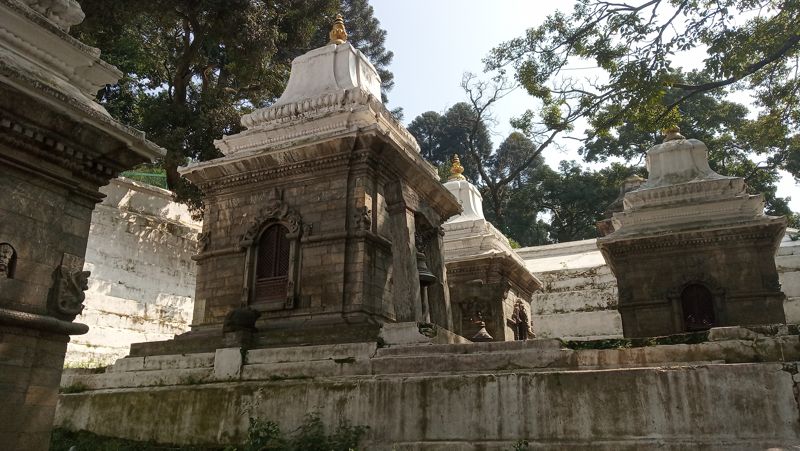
(618, 343)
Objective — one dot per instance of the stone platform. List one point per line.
(728, 388)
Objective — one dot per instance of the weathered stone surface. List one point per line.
(463, 396)
(577, 270)
(139, 251)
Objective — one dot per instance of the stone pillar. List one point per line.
(57, 148)
(405, 276)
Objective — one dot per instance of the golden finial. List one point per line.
(673, 133)
(338, 34)
(456, 170)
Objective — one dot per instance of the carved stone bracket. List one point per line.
(67, 294)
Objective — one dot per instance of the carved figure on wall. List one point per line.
(520, 323)
(363, 218)
(8, 260)
(70, 288)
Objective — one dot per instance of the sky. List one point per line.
(436, 41)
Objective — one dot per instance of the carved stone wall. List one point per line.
(142, 283)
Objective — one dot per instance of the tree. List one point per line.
(440, 136)
(501, 197)
(751, 44)
(731, 137)
(193, 67)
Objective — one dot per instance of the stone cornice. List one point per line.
(41, 61)
(27, 34)
(330, 114)
(81, 161)
(79, 108)
(768, 229)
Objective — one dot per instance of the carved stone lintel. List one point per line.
(67, 294)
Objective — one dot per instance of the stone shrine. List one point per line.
(322, 217)
(692, 250)
(57, 148)
(483, 273)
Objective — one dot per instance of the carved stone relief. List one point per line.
(8, 260)
(275, 210)
(67, 294)
(363, 218)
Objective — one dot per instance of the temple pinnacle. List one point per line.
(673, 133)
(338, 34)
(456, 170)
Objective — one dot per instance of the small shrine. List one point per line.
(691, 249)
(490, 287)
(322, 220)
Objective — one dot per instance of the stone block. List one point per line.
(228, 364)
(731, 333)
(128, 364)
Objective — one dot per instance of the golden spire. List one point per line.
(338, 34)
(672, 133)
(456, 170)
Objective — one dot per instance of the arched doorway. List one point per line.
(698, 307)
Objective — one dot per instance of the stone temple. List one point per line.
(692, 249)
(336, 274)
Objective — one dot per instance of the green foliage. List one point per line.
(643, 91)
(310, 436)
(521, 445)
(263, 435)
(440, 136)
(64, 440)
